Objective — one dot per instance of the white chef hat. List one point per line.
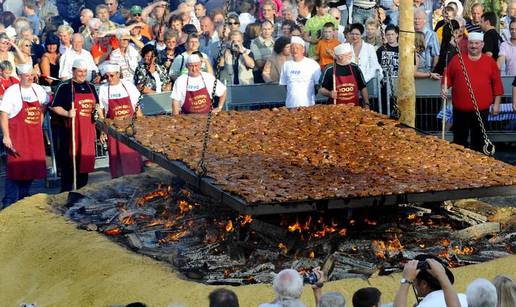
(110, 67)
(80, 64)
(476, 36)
(193, 58)
(297, 40)
(24, 68)
(343, 49)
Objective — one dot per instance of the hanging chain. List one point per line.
(201, 167)
(396, 111)
(489, 148)
(131, 130)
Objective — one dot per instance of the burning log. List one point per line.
(464, 215)
(477, 231)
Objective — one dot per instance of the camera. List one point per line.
(423, 265)
(234, 46)
(310, 278)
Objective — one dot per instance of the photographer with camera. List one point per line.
(432, 284)
(238, 62)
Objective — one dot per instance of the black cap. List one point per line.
(425, 275)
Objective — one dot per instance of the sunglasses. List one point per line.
(137, 15)
(233, 23)
(27, 45)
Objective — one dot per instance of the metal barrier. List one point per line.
(501, 128)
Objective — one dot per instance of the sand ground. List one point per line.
(45, 259)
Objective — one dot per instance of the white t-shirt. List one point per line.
(12, 100)
(66, 61)
(116, 92)
(128, 61)
(436, 299)
(300, 79)
(194, 84)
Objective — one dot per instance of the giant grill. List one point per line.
(318, 158)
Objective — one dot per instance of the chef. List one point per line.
(75, 98)
(21, 117)
(118, 99)
(346, 77)
(192, 92)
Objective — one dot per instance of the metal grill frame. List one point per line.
(208, 187)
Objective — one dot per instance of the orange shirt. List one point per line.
(97, 50)
(322, 48)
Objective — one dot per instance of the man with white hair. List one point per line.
(481, 293)
(288, 286)
(75, 98)
(332, 299)
(486, 85)
(192, 92)
(76, 52)
(21, 118)
(347, 77)
(431, 53)
(118, 99)
(300, 75)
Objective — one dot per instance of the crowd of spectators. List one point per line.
(151, 42)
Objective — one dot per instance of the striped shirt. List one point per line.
(472, 27)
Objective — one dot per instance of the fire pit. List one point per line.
(160, 216)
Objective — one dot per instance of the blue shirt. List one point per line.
(118, 18)
(431, 50)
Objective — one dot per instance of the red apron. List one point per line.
(347, 88)
(122, 159)
(85, 134)
(198, 101)
(27, 138)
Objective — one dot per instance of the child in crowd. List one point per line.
(325, 46)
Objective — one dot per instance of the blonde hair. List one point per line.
(65, 28)
(506, 290)
(23, 41)
(419, 41)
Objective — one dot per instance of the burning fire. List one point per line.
(382, 249)
(161, 192)
(283, 248)
(244, 219)
(229, 226)
(311, 255)
(174, 236)
(113, 231)
(411, 216)
(183, 207)
(319, 229)
(128, 220)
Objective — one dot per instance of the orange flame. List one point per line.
(184, 206)
(283, 248)
(113, 231)
(380, 248)
(295, 227)
(311, 255)
(174, 236)
(245, 219)
(128, 220)
(229, 226)
(159, 193)
(411, 216)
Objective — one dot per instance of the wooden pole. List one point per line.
(406, 92)
(74, 148)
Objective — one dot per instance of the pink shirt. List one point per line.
(508, 50)
(278, 3)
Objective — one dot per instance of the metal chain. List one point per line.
(396, 110)
(489, 148)
(201, 167)
(131, 130)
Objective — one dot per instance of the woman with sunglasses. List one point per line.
(5, 54)
(25, 56)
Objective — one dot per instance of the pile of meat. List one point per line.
(320, 152)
